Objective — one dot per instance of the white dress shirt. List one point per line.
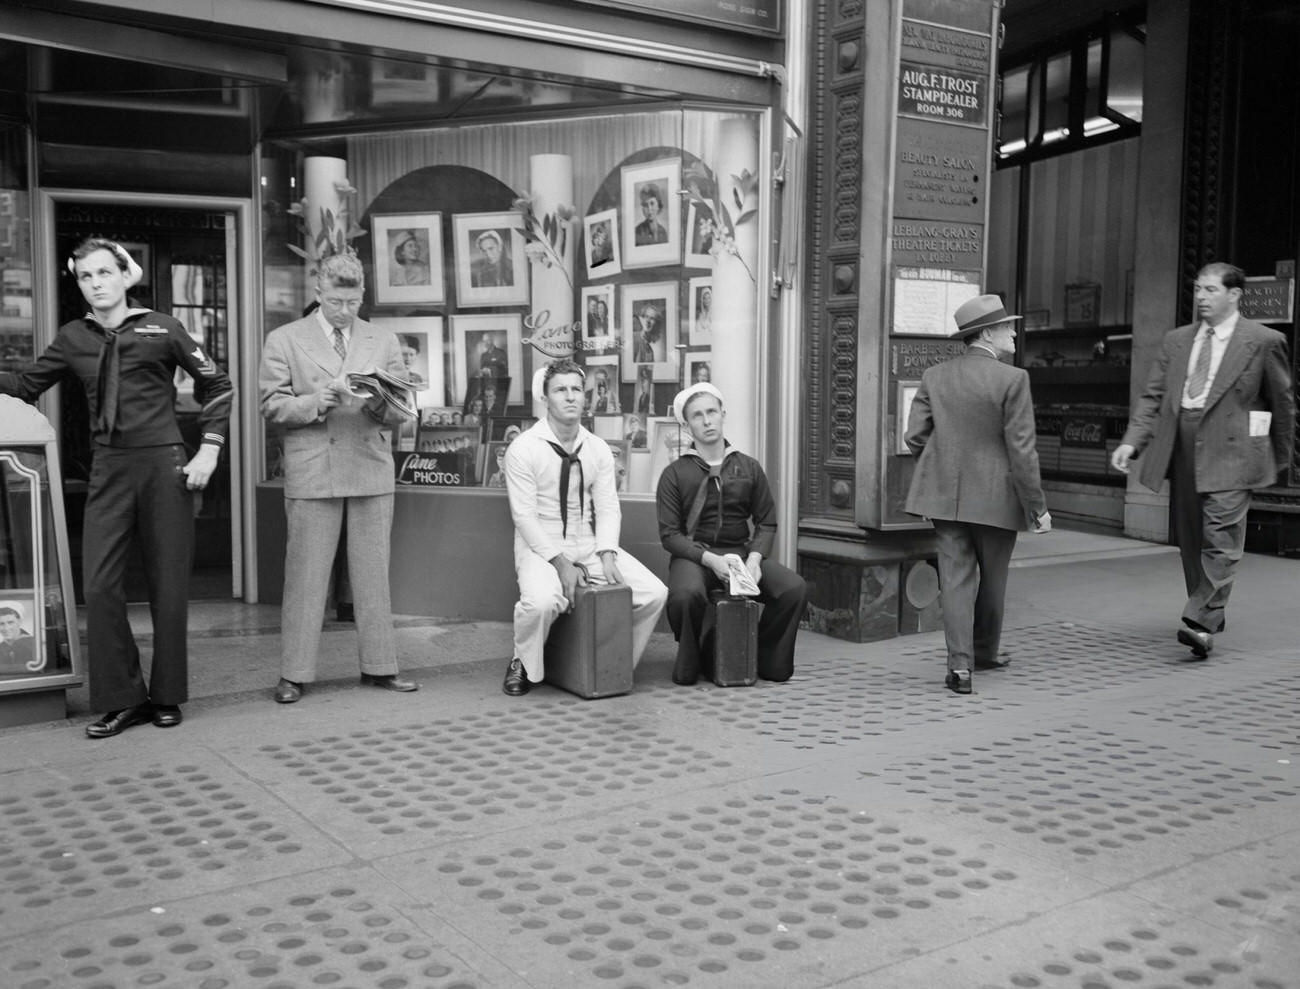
(1218, 344)
(329, 331)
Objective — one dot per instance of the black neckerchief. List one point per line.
(567, 460)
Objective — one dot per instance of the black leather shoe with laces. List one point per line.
(958, 681)
(116, 722)
(166, 715)
(389, 681)
(516, 681)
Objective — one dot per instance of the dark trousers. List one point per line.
(973, 564)
(138, 495)
(782, 592)
(1210, 530)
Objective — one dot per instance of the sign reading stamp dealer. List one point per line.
(942, 161)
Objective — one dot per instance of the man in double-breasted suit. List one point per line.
(971, 428)
(338, 464)
(1216, 417)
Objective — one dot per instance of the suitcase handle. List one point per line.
(586, 575)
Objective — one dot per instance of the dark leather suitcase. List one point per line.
(589, 650)
(735, 642)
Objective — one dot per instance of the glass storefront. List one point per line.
(490, 248)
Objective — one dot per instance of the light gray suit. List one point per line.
(1210, 456)
(976, 478)
(342, 459)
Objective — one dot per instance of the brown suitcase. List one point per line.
(735, 642)
(589, 650)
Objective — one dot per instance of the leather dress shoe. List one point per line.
(516, 681)
(116, 722)
(1201, 643)
(991, 664)
(389, 681)
(958, 681)
(286, 691)
(166, 715)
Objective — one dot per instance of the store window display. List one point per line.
(602, 253)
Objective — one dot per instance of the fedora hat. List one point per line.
(975, 314)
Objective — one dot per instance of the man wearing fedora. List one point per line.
(1216, 417)
(971, 429)
(713, 502)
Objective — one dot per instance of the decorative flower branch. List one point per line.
(337, 230)
(701, 190)
(546, 239)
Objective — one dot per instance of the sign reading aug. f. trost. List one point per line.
(747, 16)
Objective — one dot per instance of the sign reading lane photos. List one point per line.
(941, 162)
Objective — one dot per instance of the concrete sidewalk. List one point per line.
(1102, 813)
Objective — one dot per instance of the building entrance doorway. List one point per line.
(187, 255)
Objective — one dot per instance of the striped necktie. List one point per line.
(1201, 370)
(340, 345)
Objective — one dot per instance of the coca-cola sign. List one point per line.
(1085, 432)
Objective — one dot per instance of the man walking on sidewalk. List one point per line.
(971, 429)
(1216, 418)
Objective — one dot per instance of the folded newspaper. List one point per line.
(742, 583)
(397, 393)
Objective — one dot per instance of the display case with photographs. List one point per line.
(39, 646)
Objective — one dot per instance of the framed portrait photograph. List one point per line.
(491, 267)
(18, 614)
(699, 236)
(508, 427)
(668, 440)
(636, 431)
(619, 449)
(643, 390)
(700, 311)
(699, 367)
(494, 464)
(487, 350)
(421, 340)
(649, 329)
(598, 322)
(407, 252)
(600, 238)
(601, 386)
(652, 213)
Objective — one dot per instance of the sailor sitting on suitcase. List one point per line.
(561, 483)
(714, 501)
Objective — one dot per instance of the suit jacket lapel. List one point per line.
(316, 345)
(1236, 355)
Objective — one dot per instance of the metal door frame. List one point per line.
(240, 283)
